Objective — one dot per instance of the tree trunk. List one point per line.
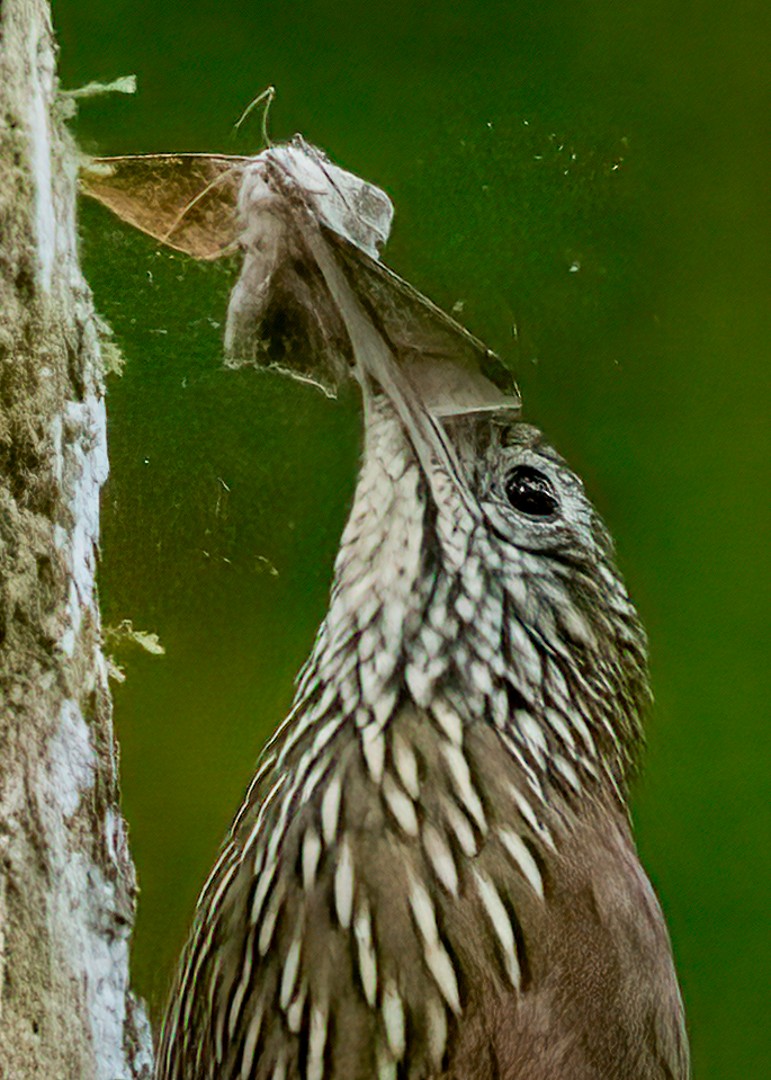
(67, 887)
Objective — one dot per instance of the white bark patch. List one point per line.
(81, 466)
(90, 928)
(71, 760)
(115, 835)
(103, 955)
(90, 931)
(40, 158)
(86, 424)
(67, 918)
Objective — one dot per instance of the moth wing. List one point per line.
(186, 201)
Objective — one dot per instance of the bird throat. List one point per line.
(431, 612)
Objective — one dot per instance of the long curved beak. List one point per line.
(311, 236)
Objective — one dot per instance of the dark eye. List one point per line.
(530, 492)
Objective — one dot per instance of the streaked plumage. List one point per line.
(433, 875)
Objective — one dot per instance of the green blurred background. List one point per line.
(586, 178)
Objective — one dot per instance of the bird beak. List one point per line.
(315, 301)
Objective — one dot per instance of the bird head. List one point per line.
(473, 565)
(474, 569)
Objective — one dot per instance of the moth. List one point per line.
(313, 298)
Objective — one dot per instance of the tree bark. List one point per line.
(67, 885)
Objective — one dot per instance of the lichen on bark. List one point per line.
(67, 884)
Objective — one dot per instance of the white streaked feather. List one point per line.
(370, 681)
(290, 971)
(251, 1038)
(294, 1014)
(441, 858)
(348, 685)
(301, 722)
(268, 924)
(373, 747)
(461, 827)
(501, 924)
(420, 681)
(443, 971)
(279, 1069)
(386, 1066)
(564, 768)
(436, 956)
(528, 660)
(317, 1042)
(217, 1009)
(264, 765)
(384, 704)
(460, 774)
(523, 752)
(264, 884)
(406, 764)
(385, 660)
(431, 640)
(592, 768)
(518, 850)
(517, 586)
(530, 817)
(400, 806)
(330, 810)
(309, 773)
(392, 1008)
(499, 705)
(326, 701)
(243, 985)
(216, 898)
(344, 885)
(436, 1019)
(423, 910)
(311, 853)
(279, 824)
(606, 723)
(577, 721)
(324, 734)
(557, 723)
(481, 677)
(465, 608)
(448, 720)
(191, 973)
(577, 627)
(229, 852)
(370, 639)
(362, 929)
(532, 732)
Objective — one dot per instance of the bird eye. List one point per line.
(530, 492)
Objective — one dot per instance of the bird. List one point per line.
(433, 874)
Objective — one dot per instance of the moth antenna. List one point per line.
(266, 100)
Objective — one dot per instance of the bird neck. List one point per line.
(428, 609)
